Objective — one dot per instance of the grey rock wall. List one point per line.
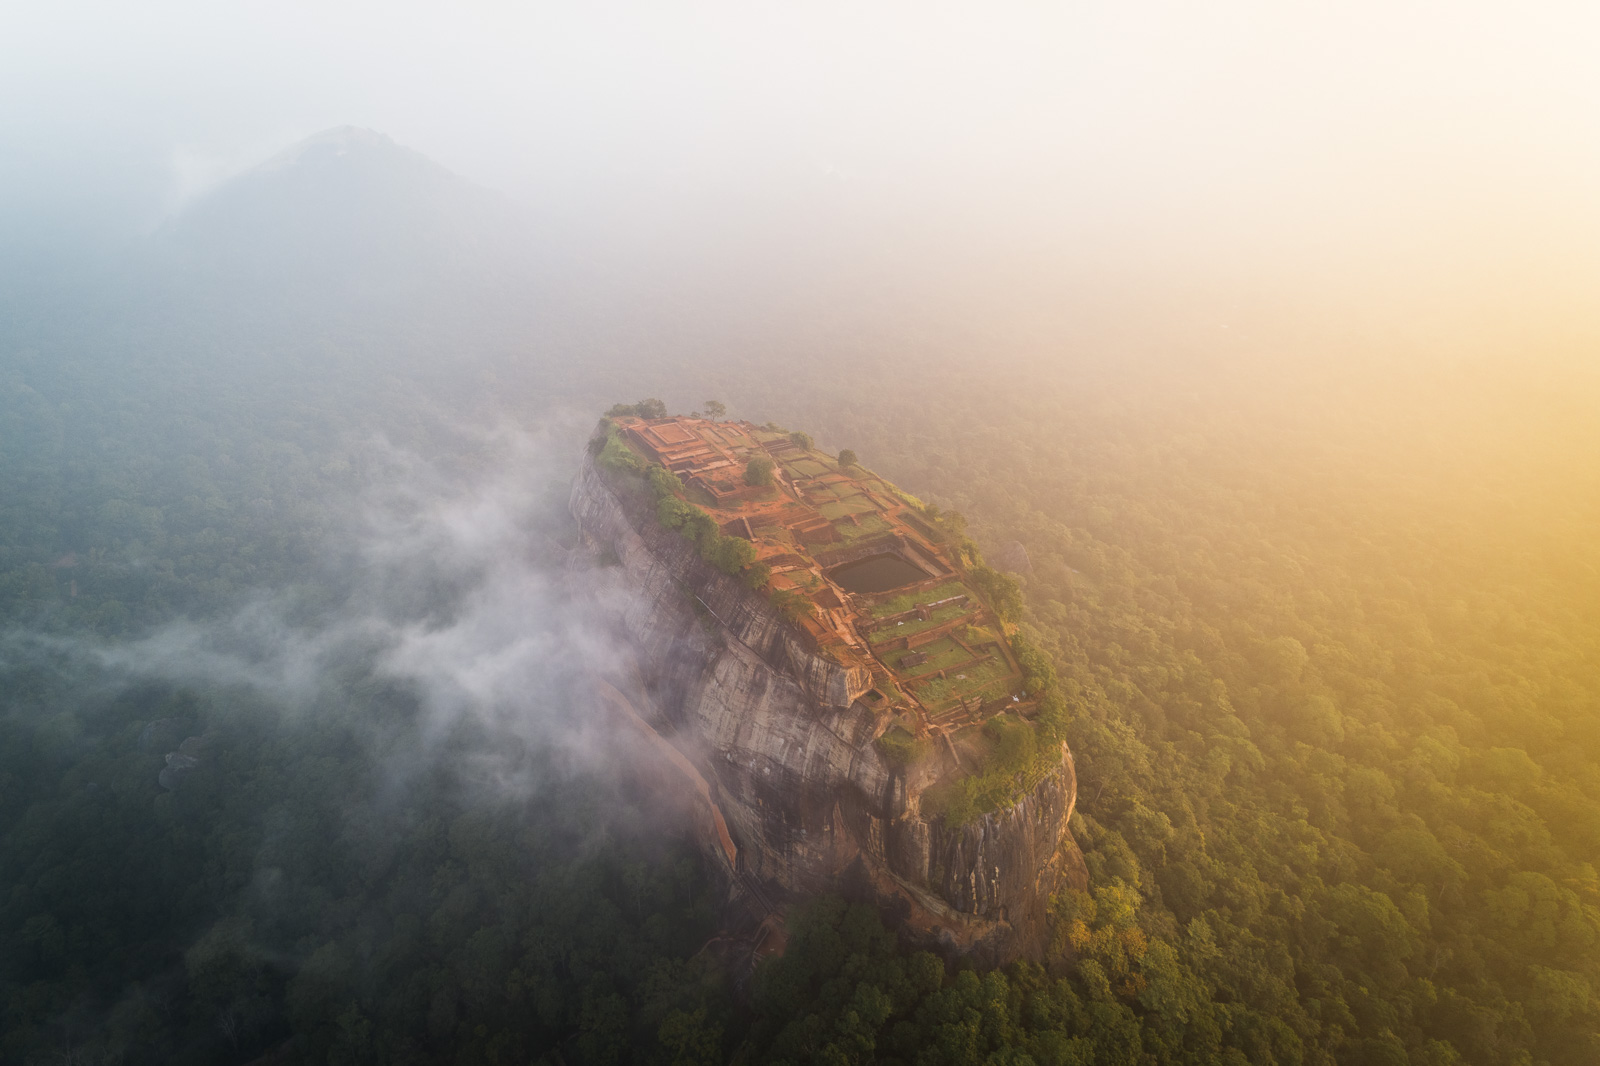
(780, 733)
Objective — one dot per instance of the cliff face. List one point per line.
(779, 732)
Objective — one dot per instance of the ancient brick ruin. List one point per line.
(855, 566)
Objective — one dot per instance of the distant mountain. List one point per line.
(350, 255)
(345, 215)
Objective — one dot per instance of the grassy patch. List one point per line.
(805, 467)
(901, 748)
(616, 455)
(700, 497)
(985, 689)
(852, 505)
(870, 526)
(832, 492)
(778, 535)
(977, 636)
(983, 682)
(941, 654)
(913, 626)
(936, 695)
(801, 579)
(992, 670)
(907, 600)
(925, 528)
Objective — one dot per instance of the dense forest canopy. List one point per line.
(1337, 730)
(1329, 637)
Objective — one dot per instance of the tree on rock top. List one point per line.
(758, 471)
(651, 408)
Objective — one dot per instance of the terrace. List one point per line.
(878, 587)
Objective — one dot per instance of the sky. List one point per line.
(1440, 157)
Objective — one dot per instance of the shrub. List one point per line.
(729, 554)
(1052, 720)
(616, 456)
(1001, 590)
(680, 515)
(1038, 673)
(902, 748)
(953, 523)
(663, 482)
(758, 471)
(1014, 744)
(792, 605)
(651, 408)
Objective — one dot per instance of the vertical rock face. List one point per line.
(781, 734)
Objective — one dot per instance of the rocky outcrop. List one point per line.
(179, 764)
(779, 731)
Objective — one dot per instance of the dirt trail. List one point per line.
(611, 695)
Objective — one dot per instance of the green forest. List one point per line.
(1337, 736)
(1336, 724)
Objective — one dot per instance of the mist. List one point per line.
(429, 683)
(450, 586)
(1387, 182)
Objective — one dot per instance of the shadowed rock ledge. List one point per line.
(788, 749)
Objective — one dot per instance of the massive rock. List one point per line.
(779, 732)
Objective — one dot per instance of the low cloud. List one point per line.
(451, 582)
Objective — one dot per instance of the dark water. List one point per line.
(878, 573)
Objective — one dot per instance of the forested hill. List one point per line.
(345, 217)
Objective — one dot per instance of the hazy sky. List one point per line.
(1339, 144)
